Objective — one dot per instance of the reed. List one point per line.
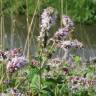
(30, 26)
(1, 25)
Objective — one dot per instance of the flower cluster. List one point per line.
(77, 81)
(14, 58)
(70, 44)
(35, 63)
(65, 70)
(2, 55)
(11, 53)
(14, 52)
(67, 22)
(54, 62)
(67, 46)
(15, 92)
(48, 18)
(12, 92)
(16, 63)
(63, 32)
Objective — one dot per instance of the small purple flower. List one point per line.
(71, 44)
(13, 52)
(15, 92)
(35, 62)
(62, 33)
(66, 71)
(16, 63)
(67, 22)
(2, 55)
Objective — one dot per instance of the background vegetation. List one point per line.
(83, 11)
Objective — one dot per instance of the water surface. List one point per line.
(84, 33)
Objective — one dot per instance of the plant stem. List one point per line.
(12, 29)
(29, 28)
(61, 11)
(27, 20)
(1, 25)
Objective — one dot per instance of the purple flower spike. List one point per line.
(48, 18)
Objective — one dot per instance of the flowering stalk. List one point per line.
(48, 18)
(68, 27)
(61, 38)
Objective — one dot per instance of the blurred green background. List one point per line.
(83, 11)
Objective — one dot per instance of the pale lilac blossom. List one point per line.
(62, 33)
(76, 81)
(48, 18)
(67, 22)
(13, 52)
(16, 63)
(71, 44)
(67, 46)
(16, 92)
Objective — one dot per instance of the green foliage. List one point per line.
(77, 59)
(82, 11)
